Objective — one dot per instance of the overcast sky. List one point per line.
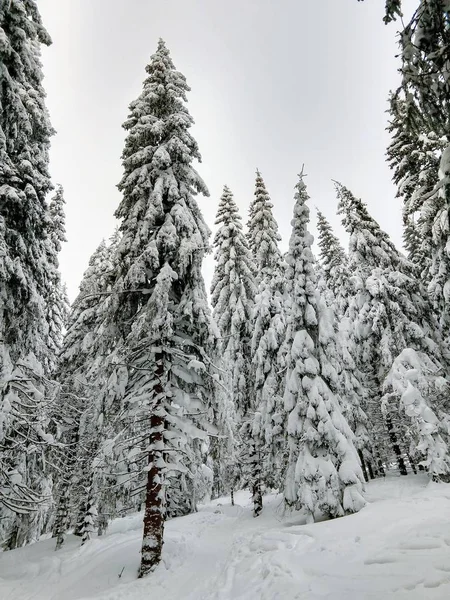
(275, 84)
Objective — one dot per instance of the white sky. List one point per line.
(275, 83)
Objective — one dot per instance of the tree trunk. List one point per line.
(378, 463)
(256, 479)
(152, 542)
(62, 519)
(257, 498)
(395, 446)
(371, 474)
(232, 497)
(363, 465)
(412, 463)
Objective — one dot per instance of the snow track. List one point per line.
(398, 547)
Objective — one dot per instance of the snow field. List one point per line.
(397, 547)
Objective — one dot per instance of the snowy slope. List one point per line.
(397, 547)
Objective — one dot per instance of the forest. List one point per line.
(312, 376)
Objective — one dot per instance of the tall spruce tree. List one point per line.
(27, 269)
(333, 261)
(390, 315)
(323, 470)
(160, 372)
(57, 305)
(334, 264)
(80, 376)
(414, 156)
(233, 292)
(425, 88)
(268, 336)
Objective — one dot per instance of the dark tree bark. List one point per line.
(62, 520)
(257, 499)
(154, 514)
(395, 446)
(412, 463)
(363, 465)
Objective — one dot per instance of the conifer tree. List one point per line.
(323, 470)
(333, 261)
(84, 349)
(425, 88)
(389, 314)
(414, 156)
(268, 337)
(233, 291)
(160, 371)
(25, 273)
(57, 305)
(262, 231)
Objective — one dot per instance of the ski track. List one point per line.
(398, 547)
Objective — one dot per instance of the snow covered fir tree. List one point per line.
(323, 471)
(31, 297)
(312, 375)
(161, 368)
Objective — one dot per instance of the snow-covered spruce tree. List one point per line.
(423, 392)
(323, 471)
(334, 264)
(425, 87)
(25, 272)
(57, 304)
(80, 378)
(160, 372)
(333, 261)
(268, 336)
(262, 231)
(414, 155)
(389, 314)
(232, 296)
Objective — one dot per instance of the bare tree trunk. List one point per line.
(256, 480)
(395, 446)
(152, 542)
(62, 519)
(232, 496)
(412, 463)
(363, 465)
(369, 467)
(257, 498)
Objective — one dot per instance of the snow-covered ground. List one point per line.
(397, 547)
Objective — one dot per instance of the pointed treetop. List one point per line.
(301, 273)
(57, 224)
(301, 211)
(158, 209)
(370, 246)
(228, 210)
(262, 227)
(332, 254)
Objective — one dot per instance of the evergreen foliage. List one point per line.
(323, 473)
(80, 375)
(389, 314)
(233, 292)
(29, 331)
(269, 325)
(333, 262)
(160, 372)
